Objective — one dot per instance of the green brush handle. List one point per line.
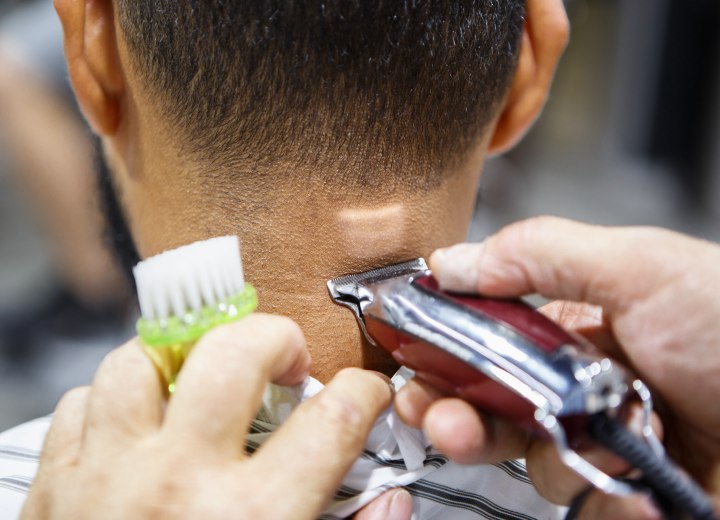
(169, 342)
(190, 327)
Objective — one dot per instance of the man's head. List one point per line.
(358, 92)
(332, 136)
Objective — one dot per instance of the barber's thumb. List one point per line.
(457, 268)
(554, 257)
(395, 504)
(492, 267)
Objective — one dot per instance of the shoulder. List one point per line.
(30, 435)
(457, 492)
(19, 458)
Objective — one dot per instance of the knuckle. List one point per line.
(292, 335)
(223, 334)
(552, 479)
(165, 489)
(350, 374)
(73, 397)
(540, 224)
(254, 333)
(347, 407)
(517, 236)
(168, 494)
(654, 244)
(376, 391)
(251, 504)
(547, 484)
(260, 320)
(516, 249)
(266, 342)
(285, 330)
(109, 361)
(232, 343)
(339, 414)
(127, 357)
(114, 368)
(537, 477)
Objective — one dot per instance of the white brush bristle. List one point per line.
(189, 277)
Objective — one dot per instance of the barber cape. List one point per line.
(394, 456)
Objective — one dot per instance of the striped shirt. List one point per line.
(394, 456)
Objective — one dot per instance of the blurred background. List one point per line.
(630, 136)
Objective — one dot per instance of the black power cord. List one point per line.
(663, 477)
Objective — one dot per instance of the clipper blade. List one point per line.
(352, 290)
(344, 285)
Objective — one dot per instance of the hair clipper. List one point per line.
(504, 357)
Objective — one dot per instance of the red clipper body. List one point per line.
(506, 358)
(455, 376)
(501, 355)
(498, 354)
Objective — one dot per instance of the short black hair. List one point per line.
(390, 85)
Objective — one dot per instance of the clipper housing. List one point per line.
(500, 355)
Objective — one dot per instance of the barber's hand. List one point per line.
(120, 450)
(648, 297)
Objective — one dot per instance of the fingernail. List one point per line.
(381, 376)
(457, 268)
(400, 506)
(387, 380)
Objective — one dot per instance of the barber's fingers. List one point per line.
(220, 387)
(126, 400)
(590, 322)
(458, 430)
(414, 400)
(64, 438)
(395, 504)
(574, 315)
(320, 441)
(558, 483)
(61, 451)
(561, 259)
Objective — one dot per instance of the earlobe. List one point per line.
(543, 42)
(93, 60)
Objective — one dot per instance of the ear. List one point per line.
(543, 42)
(93, 60)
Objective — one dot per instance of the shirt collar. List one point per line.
(390, 437)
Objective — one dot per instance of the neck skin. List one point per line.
(296, 230)
(295, 235)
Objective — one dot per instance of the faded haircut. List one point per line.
(353, 87)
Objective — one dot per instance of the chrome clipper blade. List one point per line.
(352, 291)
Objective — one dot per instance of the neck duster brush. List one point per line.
(186, 292)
